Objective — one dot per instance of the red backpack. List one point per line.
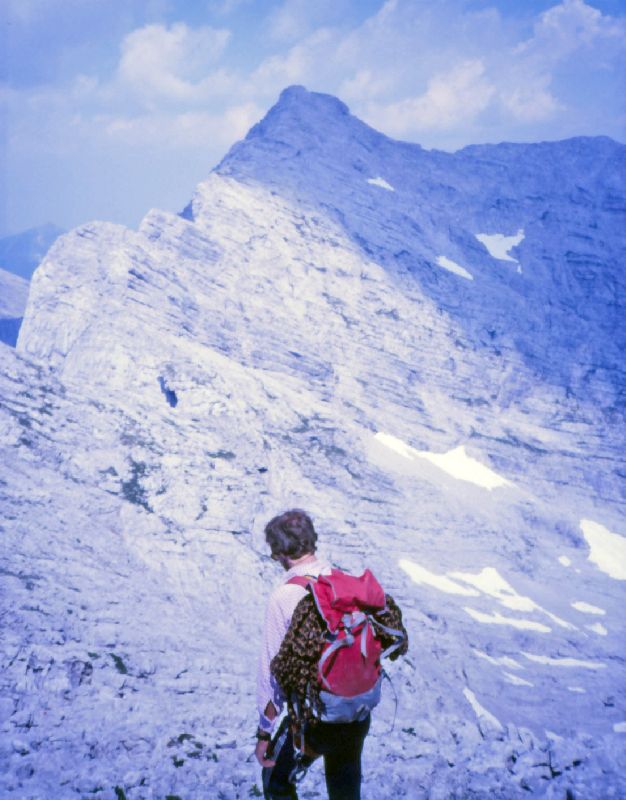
(349, 668)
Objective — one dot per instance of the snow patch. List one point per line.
(488, 582)
(608, 550)
(499, 245)
(564, 662)
(565, 561)
(480, 712)
(452, 266)
(493, 584)
(577, 689)
(423, 576)
(499, 619)
(455, 462)
(501, 661)
(382, 183)
(463, 467)
(619, 727)
(598, 628)
(516, 680)
(587, 608)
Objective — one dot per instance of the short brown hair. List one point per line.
(291, 534)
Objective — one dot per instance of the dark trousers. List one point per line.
(340, 744)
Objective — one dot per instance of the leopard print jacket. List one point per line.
(295, 664)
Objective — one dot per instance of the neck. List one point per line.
(295, 562)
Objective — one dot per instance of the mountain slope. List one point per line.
(568, 200)
(322, 327)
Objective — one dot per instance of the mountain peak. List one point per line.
(300, 121)
(299, 97)
(299, 110)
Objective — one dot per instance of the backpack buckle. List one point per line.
(353, 619)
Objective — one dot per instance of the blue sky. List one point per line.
(112, 107)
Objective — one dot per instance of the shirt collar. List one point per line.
(316, 567)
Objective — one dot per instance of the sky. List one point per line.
(112, 107)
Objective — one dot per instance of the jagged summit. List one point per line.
(311, 145)
(303, 124)
(293, 127)
(299, 112)
(564, 197)
(297, 100)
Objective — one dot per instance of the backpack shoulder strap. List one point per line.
(301, 580)
(399, 636)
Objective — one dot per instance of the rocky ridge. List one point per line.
(323, 326)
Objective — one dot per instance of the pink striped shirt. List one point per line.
(280, 607)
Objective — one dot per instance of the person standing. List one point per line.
(292, 540)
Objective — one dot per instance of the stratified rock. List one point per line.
(423, 349)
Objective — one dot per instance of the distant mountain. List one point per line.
(13, 296)
(22, 253)
(423, 349)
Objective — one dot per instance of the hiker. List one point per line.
(333, 723)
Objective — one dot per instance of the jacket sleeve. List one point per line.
(295, 665)
(267, 690)
(278, 614)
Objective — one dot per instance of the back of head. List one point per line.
(291, 534)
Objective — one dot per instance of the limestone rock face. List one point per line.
(423, 349)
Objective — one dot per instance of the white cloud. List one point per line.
(565, 28)
(365, 83)
(491, 76)
(162, 64)
(531, 101)
(27, 11)
(184, 130)
(298, 65)
(293, 20)
(419, 72)
(572, 43)
(290, 21)
(167, 92)
(457, 95)
(225, 7)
